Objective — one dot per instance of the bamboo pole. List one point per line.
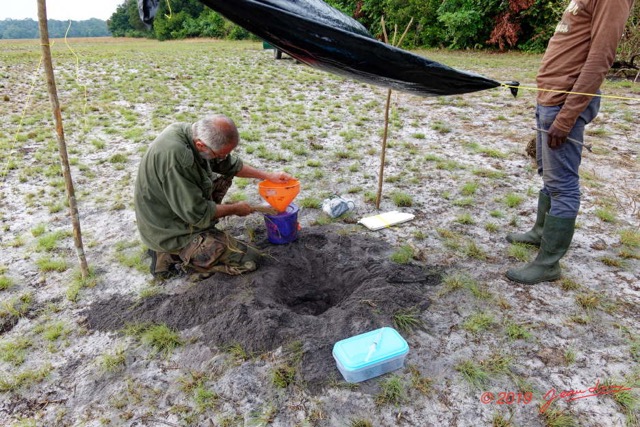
(383, 153)
(62, 146)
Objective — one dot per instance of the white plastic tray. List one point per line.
(385, 220)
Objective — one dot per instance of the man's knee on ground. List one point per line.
(216, 251)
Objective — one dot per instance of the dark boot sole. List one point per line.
(552, 278)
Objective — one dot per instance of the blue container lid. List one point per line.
(370, 348)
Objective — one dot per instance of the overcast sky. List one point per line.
(76, 10)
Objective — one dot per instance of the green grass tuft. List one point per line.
(310, 203)
(5, 282)
(48, 265)
(160, 338)
(403, 255)
(513, 200)
(478, 322)
(606, 215)
(392, 391)
(475, 374)
(517, 331)
(112, 361)
(407, 319)
(283, 376)
(402, 200)
(14, 351)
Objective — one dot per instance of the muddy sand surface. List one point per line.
(255, 350)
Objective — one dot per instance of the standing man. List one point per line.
(181, 181)
(577, 60)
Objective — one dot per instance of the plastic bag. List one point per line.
(336, 206)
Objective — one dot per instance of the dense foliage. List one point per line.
(28, 28)
(629, 48)
(458, 24)
(461, 24)
(176, 19)
(125, 21)
(455, 24)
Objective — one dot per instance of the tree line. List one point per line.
(28, 28)
(456, 24)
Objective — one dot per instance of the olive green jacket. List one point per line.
(172, 194)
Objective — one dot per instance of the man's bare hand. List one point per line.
(242, 209)
(279, 177)
(556, 137)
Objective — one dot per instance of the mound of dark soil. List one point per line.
(319, 289)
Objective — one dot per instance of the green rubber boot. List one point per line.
(556, 238)
(532, 237)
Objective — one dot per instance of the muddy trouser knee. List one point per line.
(163, 264)
(216, 251)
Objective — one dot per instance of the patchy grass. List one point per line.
(517, 331)
(133, 255)
(78, 283)
(406, 320)
(50, 241)
(283, 376)
(558, 418)
(160, 338)
(392, 391)
(521, 252)
(473, 373)
(478, 322)
(5, 282)
(112, 361)
(443, 162)
(589, 300)
(401, 199)
(513, 200)
(48, 265)
(403, 255)
(24, 379)
(630, 237)
(14, 351)
(419, 382)
(606, 214)
(16, 306)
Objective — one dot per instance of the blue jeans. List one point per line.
(559, 167)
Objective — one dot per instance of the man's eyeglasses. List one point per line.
(215, 154)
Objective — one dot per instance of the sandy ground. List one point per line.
(238, 334)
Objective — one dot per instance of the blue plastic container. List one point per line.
(283, 227)
(371, 354)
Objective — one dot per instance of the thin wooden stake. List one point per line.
(62, 146)
(383, 153)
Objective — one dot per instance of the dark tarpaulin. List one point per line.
(318, 35)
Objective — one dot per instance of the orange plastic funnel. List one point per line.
(279, 194)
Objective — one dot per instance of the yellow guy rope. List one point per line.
(568, 92)
(5, 170)
(84, 87)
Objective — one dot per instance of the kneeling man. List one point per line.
(181, 181)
